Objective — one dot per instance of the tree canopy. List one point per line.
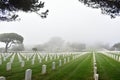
(18, 47)
(9, 8)
(10, 38)
(108, 7)
(116, 46)
(34, 49)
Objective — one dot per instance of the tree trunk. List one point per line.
(6, 47)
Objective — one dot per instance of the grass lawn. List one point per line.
(79, 69)
(108, 69)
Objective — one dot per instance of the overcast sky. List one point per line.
(68, 19)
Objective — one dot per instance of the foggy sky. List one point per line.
(68, 19)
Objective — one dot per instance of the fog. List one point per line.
(68, 19)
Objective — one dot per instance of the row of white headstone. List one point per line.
(12, 58)
(112, 55)
(96, 75)
(42, 56)
(29, 71)
(8, 65)
(5, 56)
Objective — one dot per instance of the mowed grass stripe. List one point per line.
(108, 69)
(80, 69)
(84, 70)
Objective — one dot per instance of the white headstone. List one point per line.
(96, 76)
(4, 58)
(22, 64)
(65, 61)
(94, 64)
(40, 61)
(58, 56)
(28, 74)
(2, 78)
(60, 63)
(50, 57)
(95, 70)
(46, 59)
(32, 61)
(43, 69)
(119, 58)
(8, 67)
(53, 66)
(94, 60)
(11, 60)
(27, 58)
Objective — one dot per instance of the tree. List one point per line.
(9, 8)
(34, 49)
(77, 46)
(41, 47)
(116, 46)
(108, 7)
(54, 44)
(10, 38)
(18, 47)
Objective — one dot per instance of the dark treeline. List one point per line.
(57, 44)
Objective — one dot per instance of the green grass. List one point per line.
(108, 69)
(79, 69)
